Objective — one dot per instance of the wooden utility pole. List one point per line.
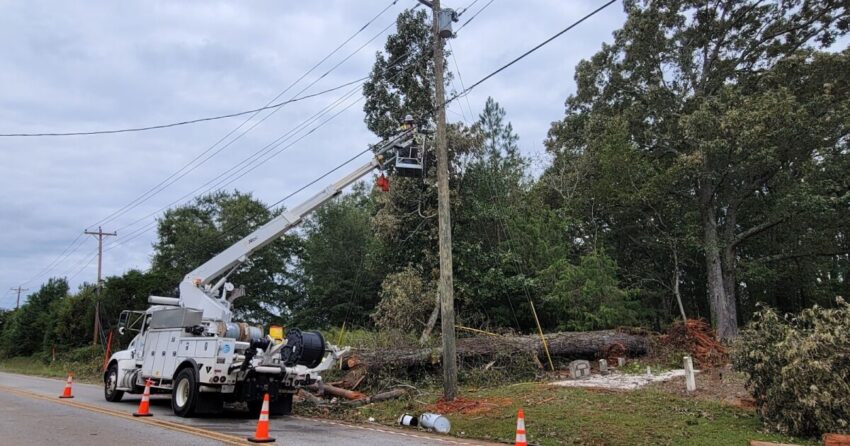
(446, 286)
(18, 289)
(99, 234)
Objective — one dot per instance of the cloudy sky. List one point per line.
(69, 66)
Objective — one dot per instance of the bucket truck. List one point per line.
(190, 346)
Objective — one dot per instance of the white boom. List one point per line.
(197, 290)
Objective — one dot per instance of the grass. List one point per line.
(85, 367)
(554, 415)
(574, 416)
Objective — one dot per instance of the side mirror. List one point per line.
(122, 320)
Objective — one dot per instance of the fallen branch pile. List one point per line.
(697, 338)
(314, 394)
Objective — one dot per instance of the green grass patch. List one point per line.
(574, 416)
(85, 363)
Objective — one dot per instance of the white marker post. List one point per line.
(690, 381)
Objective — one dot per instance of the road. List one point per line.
(32, 414)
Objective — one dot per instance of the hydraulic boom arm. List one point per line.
(197, 290)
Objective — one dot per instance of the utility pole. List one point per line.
(446, 286)
(18, 289)
(99, 234)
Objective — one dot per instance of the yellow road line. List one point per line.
(218, 436)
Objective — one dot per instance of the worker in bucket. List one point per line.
(407, 124)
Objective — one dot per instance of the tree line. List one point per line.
(700, 168)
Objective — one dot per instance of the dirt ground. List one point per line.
(718, 384)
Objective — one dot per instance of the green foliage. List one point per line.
(27, 326)
(192, 234)
(402, 78)
(73, 317)
(797, 368)
(696, 133)
(406, 301)
(339, 288)
(587, 296)
(705, 149)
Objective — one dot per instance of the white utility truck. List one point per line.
(190, 347)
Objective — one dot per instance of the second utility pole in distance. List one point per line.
(19, 289)
(99, 234)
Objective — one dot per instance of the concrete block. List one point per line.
(580, 369)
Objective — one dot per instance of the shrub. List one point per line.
(588, 296)
(799, 368)
(406, 302)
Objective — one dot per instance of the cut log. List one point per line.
(328, 389)
(566, 344)
(392, 394)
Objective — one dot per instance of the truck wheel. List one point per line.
(184, 394)
(110, 385)
(283, 405)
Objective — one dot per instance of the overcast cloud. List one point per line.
(68, 66)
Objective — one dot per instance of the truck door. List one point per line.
(139, 352)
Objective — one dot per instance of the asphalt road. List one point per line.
(32, 414)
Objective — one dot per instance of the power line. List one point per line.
(226, 231)
(154, 190)
(165, 183)
(191, 121)
(460, 78)
(525, 54)
(212, 118)
(500, 69)
(139, 232)
(473, 15)
(91, 259)
(60, 259)
(221, 182)
(253, 158)
(56, 260)
(462, 11)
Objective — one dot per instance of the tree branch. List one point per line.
(755, 230)
(797, 255)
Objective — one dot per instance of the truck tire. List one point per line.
(283, 405)
(184, 393)
(110, 385)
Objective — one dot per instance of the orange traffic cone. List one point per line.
(144, 405)
(67, 392)
(520, 429)
(262, 433)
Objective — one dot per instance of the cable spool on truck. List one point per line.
(190, 347)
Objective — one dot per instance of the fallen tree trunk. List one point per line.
(566, 344)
